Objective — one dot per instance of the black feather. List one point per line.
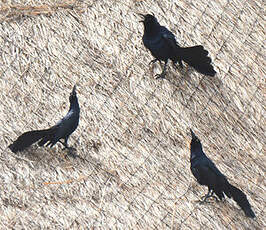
(163, 46)
(62, 130)
(206, 173)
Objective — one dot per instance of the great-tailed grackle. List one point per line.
(206, 173)
(163, 46)
(62, 130)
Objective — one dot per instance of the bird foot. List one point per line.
(202, 202)
(71, 151)
(205, 198)
(160, 76)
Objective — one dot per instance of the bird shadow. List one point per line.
(178, 76)
(57, 156)
(186, 84)
(187, 74)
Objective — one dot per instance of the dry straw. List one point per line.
(133, 171)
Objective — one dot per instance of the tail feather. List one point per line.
(197, 57)
(48, 139)
(27, 139)
(241, 199)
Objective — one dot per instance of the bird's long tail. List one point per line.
(27, 139)
(240, 198)
(197, 57)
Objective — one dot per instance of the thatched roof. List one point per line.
(134, 130)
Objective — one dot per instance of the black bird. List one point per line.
(163, 46)
(206, 173)
(62, 130)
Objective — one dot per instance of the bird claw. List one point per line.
(71, 151)
(206, 197)
(71, 154)
(65, 148)
(158, 76)
(202, 202)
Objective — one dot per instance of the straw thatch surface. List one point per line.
(134, 130)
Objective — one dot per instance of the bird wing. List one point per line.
(196, 173)
(205, 171)
(169, 37)
(213, 167)
(64, 126)
(202, 173)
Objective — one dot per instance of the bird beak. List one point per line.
(143, 16)
(193, 135)
(74, 90)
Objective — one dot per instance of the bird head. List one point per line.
(194, 137)
(195, 146)
(73, 94)
(148, 19)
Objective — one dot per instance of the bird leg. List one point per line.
(71, 150)
(162, 74)
(208, 195)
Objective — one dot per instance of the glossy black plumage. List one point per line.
(163, 46)
(61, 130)
(206, 173)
